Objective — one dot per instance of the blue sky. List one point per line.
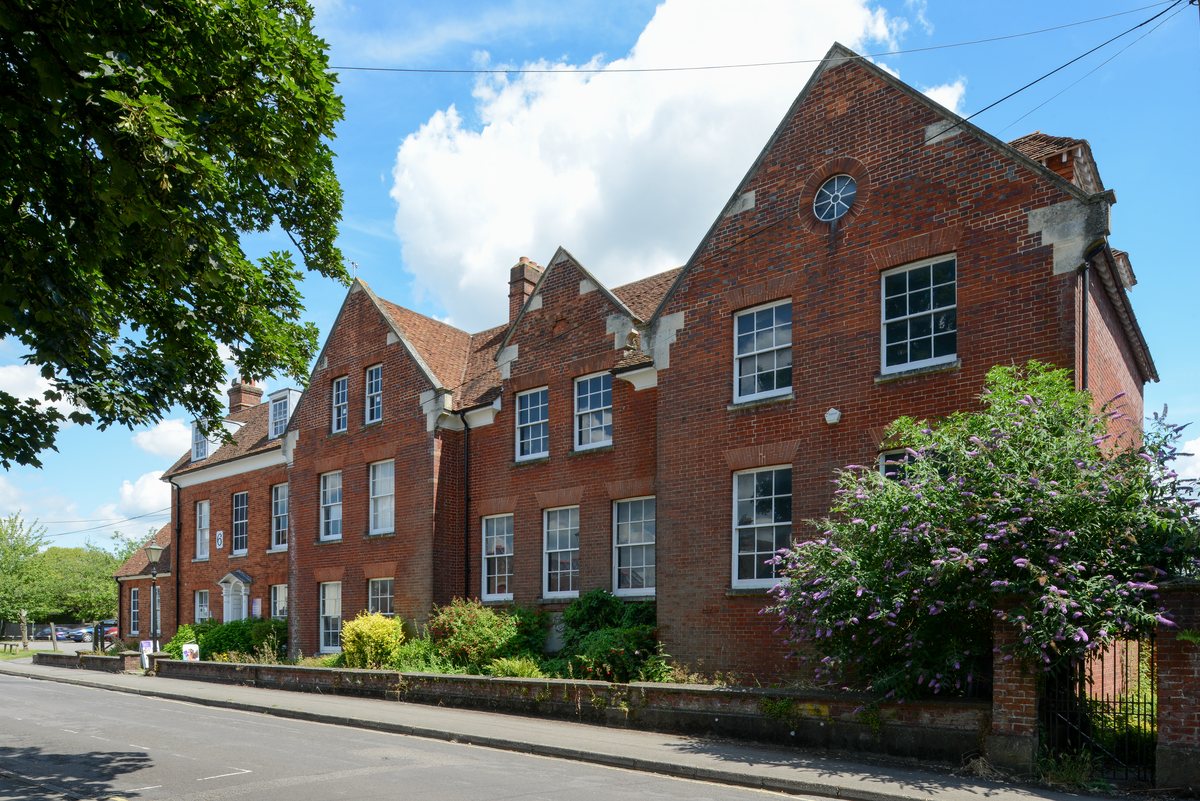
(449, 178)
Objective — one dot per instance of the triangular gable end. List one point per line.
(359, 285)
(562, 255)
(840, 54)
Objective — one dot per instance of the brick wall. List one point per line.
(565, 339)
(959, 196)
(1112, 368)
(1179, 691)
(359, 340)
(264, 565)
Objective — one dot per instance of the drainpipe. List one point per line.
(175, 551)
(462, 415)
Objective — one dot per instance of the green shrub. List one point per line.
(420, 655)
(470, 634)
(224, 638)
(369, 640)
(183, 635)
(532, 626)
(521, 667)
(599, 610)
(615, 654)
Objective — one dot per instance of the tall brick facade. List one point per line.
(609, 438)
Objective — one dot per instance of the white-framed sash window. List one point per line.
(201, 529)
(279, 516)
(382, 491)
(279, 601)
(241, 522)
(633, 546)
(331, 505)
(134, 611)
(762, 523)
(381, 597)
(763, 351)
(341, 403)
(560, 573)
(374, 394)
(331, 616)
(497, 557)
(533, 424)
(202, 612)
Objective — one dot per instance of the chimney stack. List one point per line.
(522, 278)
(243, 395)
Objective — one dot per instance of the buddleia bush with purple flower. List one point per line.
(1030, 510)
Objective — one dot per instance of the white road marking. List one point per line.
(71, 731)
(144, 748)
(240, 771)
(151, 787)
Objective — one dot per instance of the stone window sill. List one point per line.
(381, 535)
(241, 555)
(277, 550)
(737, 592)
(566, 599)
(527, 462)
(884, 378)
(200, 559)
(586, 451)
(638, 599)
(498, 601)
(788, 398)
(330, 541)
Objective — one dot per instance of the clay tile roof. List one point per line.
(642, 297)
(251, 438)
(139, 564)
(481, 379)
(443, 347)
(1038, 145)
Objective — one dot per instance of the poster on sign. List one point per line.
(191, 652)
(256, 607)
(147, 649)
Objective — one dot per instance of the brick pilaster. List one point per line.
(1012, 742)
(1178, 756)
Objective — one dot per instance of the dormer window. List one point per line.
(199, 443)
(279, 416)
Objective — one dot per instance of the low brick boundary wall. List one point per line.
(121, 663)
(56, 659)
(936, 730)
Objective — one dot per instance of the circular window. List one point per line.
(834, 198)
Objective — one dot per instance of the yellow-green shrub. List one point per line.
(369, 640)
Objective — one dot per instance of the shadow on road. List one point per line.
(89, 773)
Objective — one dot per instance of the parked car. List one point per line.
(82, 634)
(43, 633)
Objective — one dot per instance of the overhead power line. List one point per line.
(166, 510)
(624, 70)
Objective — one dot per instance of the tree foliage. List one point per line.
(1027, 510)
(21, 571)
(139, 138)
(79, 582)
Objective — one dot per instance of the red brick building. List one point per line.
(146, 605)
(662, 439)
(231, 515)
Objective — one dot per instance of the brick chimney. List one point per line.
(522, 278)
(243, 396)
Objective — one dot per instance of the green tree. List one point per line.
(1027, 510)
(80, 581)
(139, 139)
(21, 570)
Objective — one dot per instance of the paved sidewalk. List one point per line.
(742, 764)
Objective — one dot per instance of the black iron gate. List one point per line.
(1104, 711)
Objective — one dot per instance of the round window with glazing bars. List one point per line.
(834, 198)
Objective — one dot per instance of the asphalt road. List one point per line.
(98, 744)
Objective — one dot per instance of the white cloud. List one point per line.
(626, 171)
(147, 494)
(920, 7)
(170, 438)
(949, 95)
(1189, 466)
(11, 497)
(25, 381)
